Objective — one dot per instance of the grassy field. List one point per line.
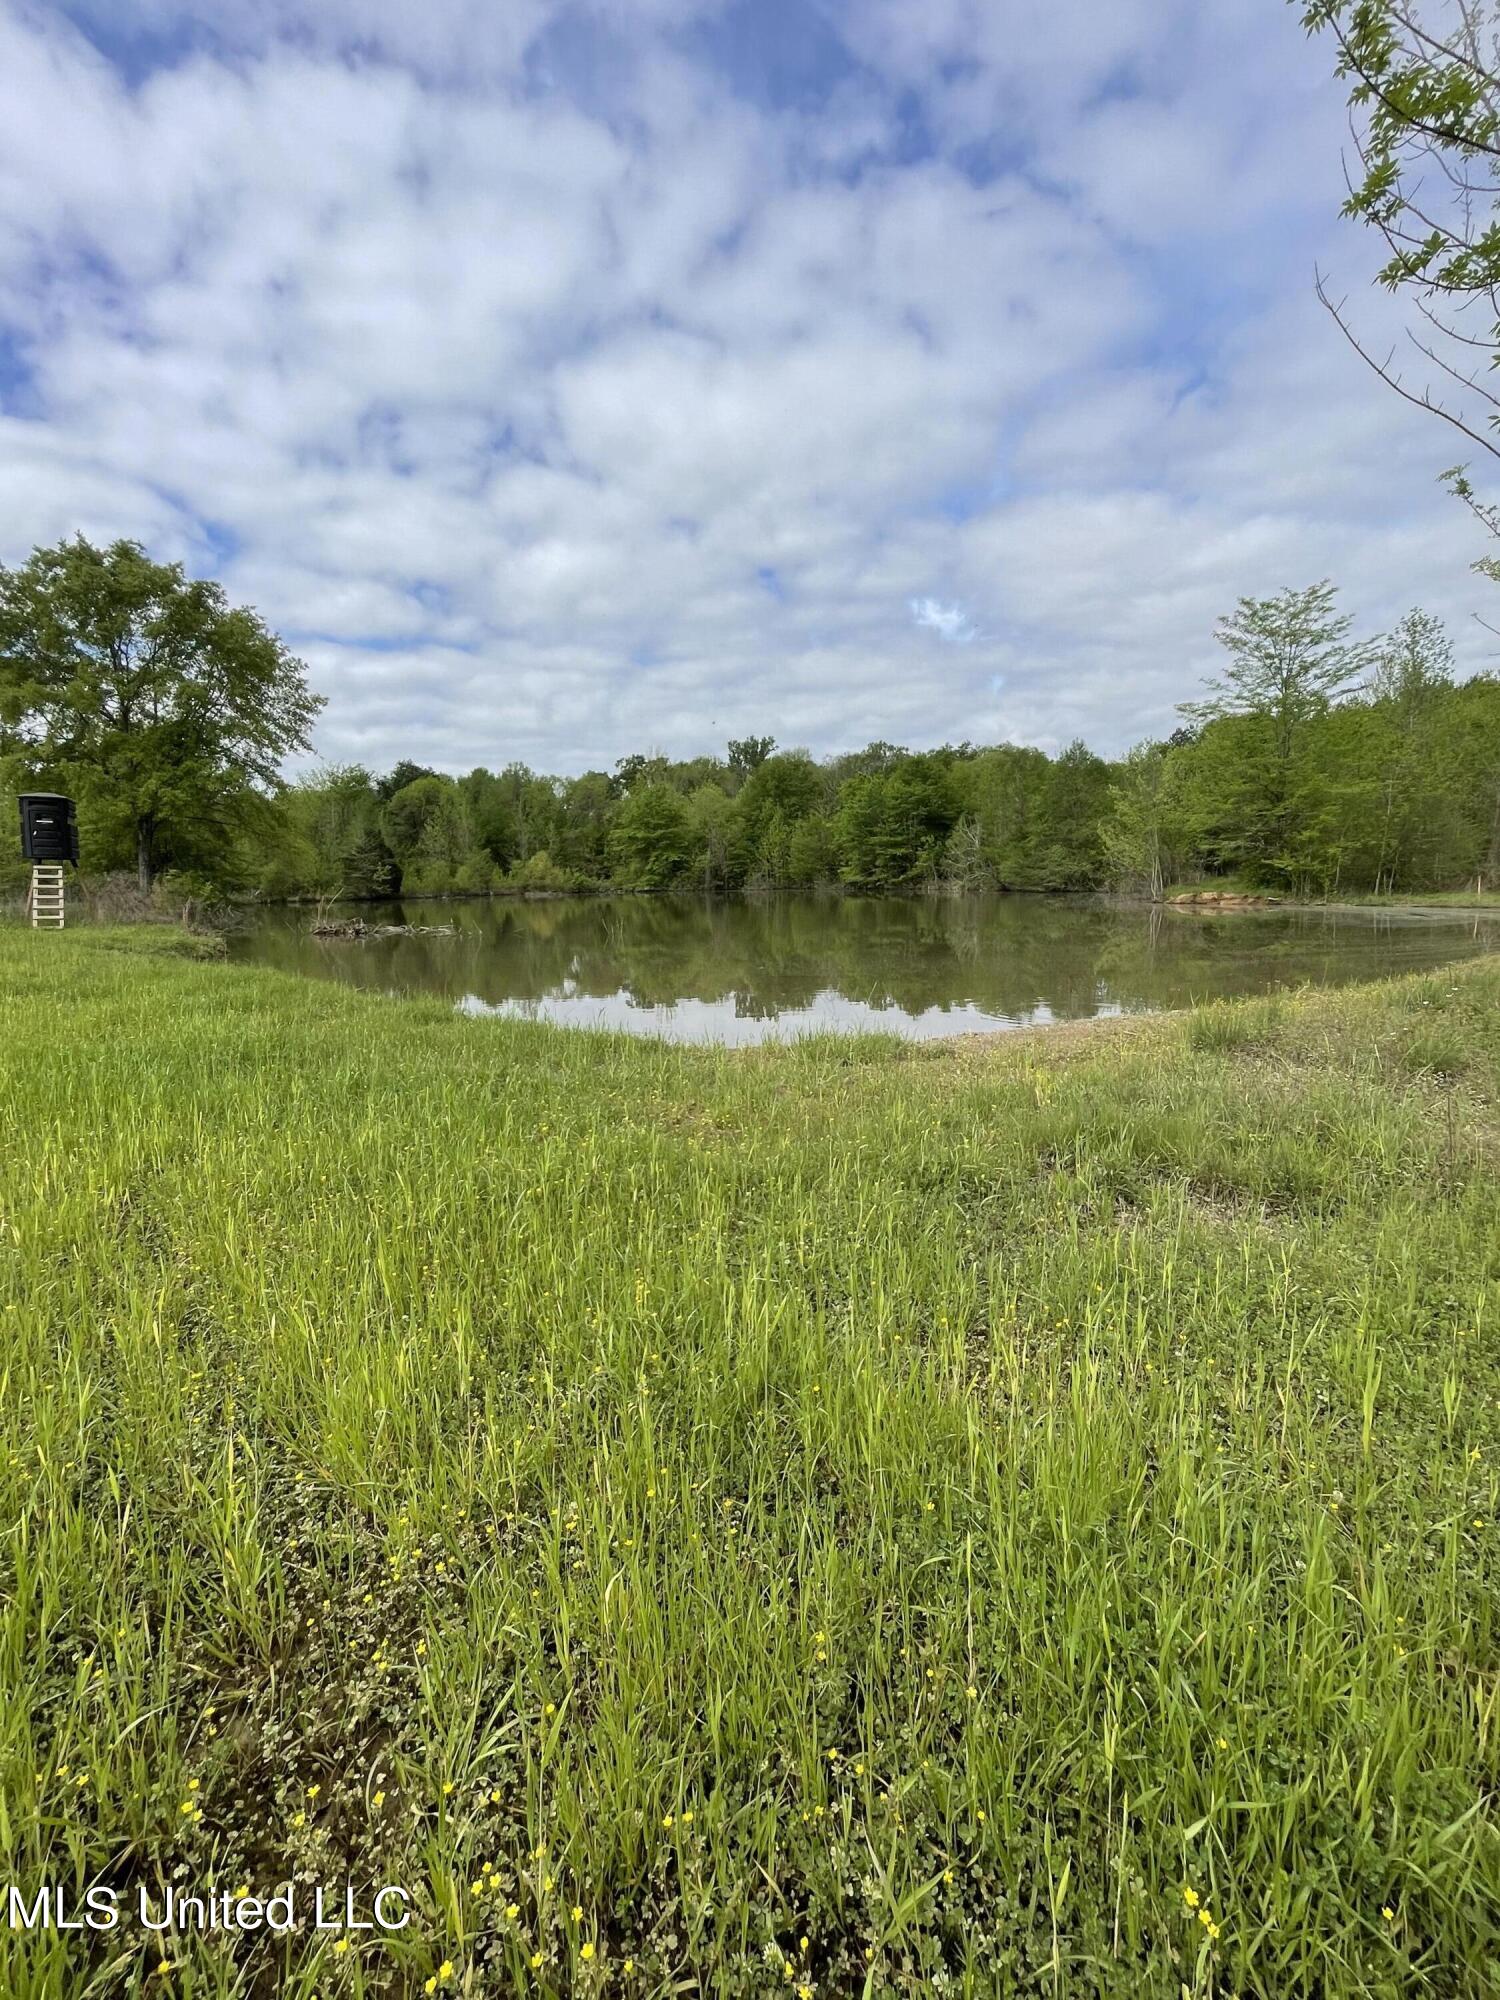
(848, 1519)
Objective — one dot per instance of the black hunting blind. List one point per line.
(49, 837)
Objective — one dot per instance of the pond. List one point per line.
(759, 969)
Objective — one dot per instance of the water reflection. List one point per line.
(753, 970)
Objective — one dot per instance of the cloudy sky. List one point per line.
(566, 379)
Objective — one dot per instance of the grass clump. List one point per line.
(1224, 1026)
(723, 1524)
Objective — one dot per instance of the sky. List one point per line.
(565, 380)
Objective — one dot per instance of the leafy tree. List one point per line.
(369, 867)
(1067, 846)
(1141, 834)
(877, 756)
(1413, 667)
(164, 708)
(324, 815)
(892, 825)
(964, 863)
(400, 775)
(652, 842)
(582, 838)
(1290, 658)
(810, 854)
(405, 816)
(1424, 91)
(491, 816)
(712, 814)
(1007, 790)
(748, 753)
(535, 808)
(540, 874)
(1412, 675)
(1466, 740)
(784, 788)
(637, 769)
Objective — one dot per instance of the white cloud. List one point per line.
(949, 621)
(559, 406)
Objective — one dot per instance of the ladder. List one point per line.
(46, 898)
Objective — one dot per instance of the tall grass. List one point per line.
(824, 1521)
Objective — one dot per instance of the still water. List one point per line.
(768, 969)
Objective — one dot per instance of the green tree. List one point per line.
(405, 817)
(535, 809)
(1067, 845)
(1466, 748)
(1006, 790)
(1141, 835)
(164, 708)
(748, 753)
(652, 841)
(400, 775)
(1424, 94)
(892, 825)
(788, 785)
(964, 863)
(810, 857)
(1412, 676)
(712, 814)
(1414, 667)
(491, 819)
(587, 810)
(1290, 659)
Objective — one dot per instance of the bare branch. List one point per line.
(1467, 381)
(1424, 401)
(1452, 332)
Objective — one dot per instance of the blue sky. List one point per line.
(564, 380)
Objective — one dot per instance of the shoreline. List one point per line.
(1249, 904)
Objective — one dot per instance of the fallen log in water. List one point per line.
(356, 927)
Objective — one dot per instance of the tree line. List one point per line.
(1313, 764)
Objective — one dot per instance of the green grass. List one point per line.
(1426, 899)
(152, 940)
(865, 1520)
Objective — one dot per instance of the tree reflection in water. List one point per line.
(738, 970)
